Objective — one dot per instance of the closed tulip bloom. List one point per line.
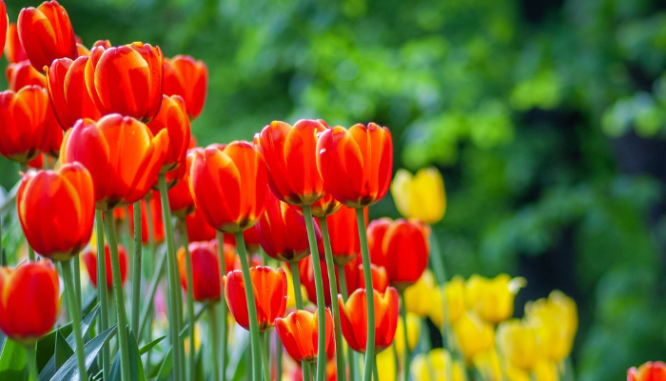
(299, 333)
(421, 196)
(229, 186)
(419, 296)
(180, 197)
(270, 296)
(24, 123)
(66, 84)
(13, 49)
(343, 232)
(282, 233)
(290, 154)
(173, 118)
(492, 299)
(38, 162)
(205, 270)
(187, 77)
(556, 322)
(353, 319)
(413, 333)
(518, 343)
(455, 300)
(56, 210)
(197, 228)
(46, 34)
(402, 247)
(488, 364)
(54, 134)
(156, 217)
(251, 238)
(126, 80)
(22, 74)
(440, 363)
(650, 371)
(90, 260)
(356, 164)
(473, 334)
(30, 301)
(122, 155)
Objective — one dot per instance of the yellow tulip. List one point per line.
(442, 365)
(556, 321)
(386, 365)
(291, 297)
(413, 332)
(418, 297)
(492, 299)
(420, 196)
(518, 343)
(488, 364)
(455, 300)
(473, 334)
(544, 370)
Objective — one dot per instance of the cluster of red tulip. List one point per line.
(299, 193)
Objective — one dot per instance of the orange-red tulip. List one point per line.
(180, 197)
(56, 209)
(343, 232)
(205, 269)
(22, 74)
(3, 24)
(122, 155)
(30, 301)
(38, 162)
(229, 186)
(270, 295)
(24, 123)
(66, 83)
(157, 221)
(185, 76)
(299, 333)
(290, 154)
(46, 34)
(90, 260)
(356, 164)
(251, 238)
(54, 134)
(173, 118)
(126, 79)
(402, 247)
(354, 319)
(650, 371)
(13, 48)
(282, 232)
(197, 228)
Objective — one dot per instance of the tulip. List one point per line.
(180, 197)
(556, 322)
(56, 210)
(229, 186)
(473, 334)
(90, 260)
(187, 78)
(455, 301)
(439, 362)
(173, 118)
(543, 371)
(413, 333)
(343, 232)
(356, 164)
(126, 80)
(419, 296)
(24, 123)
(22, 74)
(30, 301)
(205, 269)
(299, 333)
(488, 364)
(650, 371)
(53, 133)
(291, 295)
(518, 343)
(38, 162)
(492, 299)
(69, 95)
(250, 236)
(13, 49)
(122, 155)
(157, 222)
(197, 228)
(421, 196)
(354, 319)
(401, 247)
(270, 295)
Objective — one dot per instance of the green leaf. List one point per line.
(63, 351)
(89, 305)
(13, 364)
(165, 368)
(46, 347)
(135, 364)
(70, 370)
(3, 339)
(85, 325)
(150, 345)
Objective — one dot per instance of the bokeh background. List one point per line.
(547, 119)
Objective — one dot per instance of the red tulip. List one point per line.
(22, 74)
(197, 228)
(282, 232)
(13, 48)
(54, 134)
(650, 371)
(401, 247)
(180, 197)
(24, 123)
(157, 221)
(173, 118)
(270, 295)
(299, 333)
(205, 269)
(30, 301)
(46, 34)
(354, 319)
(343, 233)
(122, 155)
(188, 78)
(68, 92)
(229, 186)
(4, 20)
(126, 80)
(290, 154)
(356, 164)
(56, 209)
(38, 162)
(251, 238)
(90, 260)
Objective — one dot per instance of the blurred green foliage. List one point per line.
(536, 113)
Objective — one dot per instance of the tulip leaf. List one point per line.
(3, 339)
(46, 347)
(135, 364)
(85, 325)
(150, 345)
(13, 363)
(165, 368)
(63, 351)
(70, 371)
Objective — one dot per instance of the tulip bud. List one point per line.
(22, 74)
(473, 335)
(421, 196)
(354, 319)
(492, 299)
(173, 118)
(156, 219)
(188, 78)
(299, 333)
(197, 228)
(205, 269)
(517, 340)
(24, 123)
(648, 372)
(13, 48)
(90, 260)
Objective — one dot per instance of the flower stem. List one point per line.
(376, 371)
(367, 276)
(405, 352)
(223, 306)
(215, 335)
(343, 291)
(151, 295)
(190, 300)
(3, 259)
(298, 296)
(136, 269)
(101, 291)
(123, 340)
(330, 266)
(76, 267)
(264, 356)
(251, 307)
(75, 314)
(278, 356)
(31, 357)
(174, 285)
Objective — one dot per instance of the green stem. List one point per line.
(330, 266)
(319, 287)
(3, 258)
(405, 351)
(343, 290)
(136, 269)
(251, 307)
(223, 272)
(151, 295)
(123, 340)
(75, 313)
(31, 357)
(278, 356)
(190, 299)
(298, 296)
(31, 251)
(174, 285)
(367, 275)
(376, 371)
(214, 333)
(76, 266)
(101, 290)
(264, 357)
